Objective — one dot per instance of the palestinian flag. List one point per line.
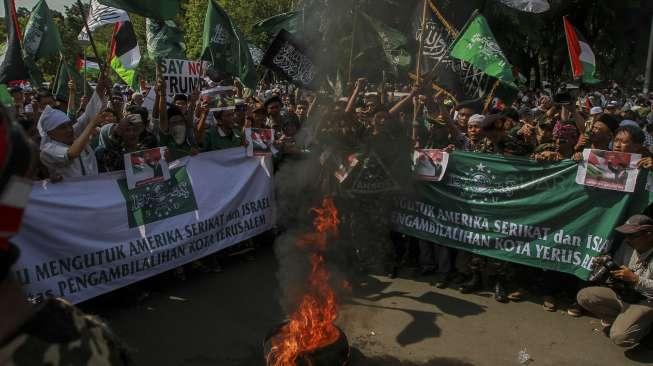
(125, 53)
(91, 68)
(583, 61)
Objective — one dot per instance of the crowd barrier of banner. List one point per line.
(82, 238)
(518, 210)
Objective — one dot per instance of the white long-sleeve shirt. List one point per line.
(54, 154)
(641, 264)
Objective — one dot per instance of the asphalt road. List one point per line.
(221, 319)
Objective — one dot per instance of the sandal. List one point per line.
(549, 303)
(575, 310)
(517, 296)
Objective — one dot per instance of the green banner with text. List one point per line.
(518, 210)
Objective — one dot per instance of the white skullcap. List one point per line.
(596, 110)
(51, 118)
(628, 122)
(476, 119)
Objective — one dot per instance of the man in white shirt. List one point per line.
(65, 149)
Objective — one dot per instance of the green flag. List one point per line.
(514, 209)
(5, 97)
(392, 41)
(225, 47)
(41, 39)
(291, 22)
(165, 39)
(64, 74)
(156, 9)
(476, 44)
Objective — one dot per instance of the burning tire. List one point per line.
(334, 354)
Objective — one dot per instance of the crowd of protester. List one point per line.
(543, 125)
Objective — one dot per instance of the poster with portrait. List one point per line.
(611, 170)
(430, 164)
(220, 98)
(260, 142)
(146, 167)
(346, 167)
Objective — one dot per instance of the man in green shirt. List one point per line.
(222, 135)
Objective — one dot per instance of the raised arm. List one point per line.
(404, 102)
(201, 123)
(360, 84)
(93, 107)
(161, 105)
(72, 95)
(75, 150)
(312, 106)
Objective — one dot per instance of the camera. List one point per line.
(562, 97)
(601, 274)
(601, 271)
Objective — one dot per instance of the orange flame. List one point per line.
(311, 326)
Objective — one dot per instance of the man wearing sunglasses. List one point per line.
(627, 321)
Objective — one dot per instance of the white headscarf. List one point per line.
(476, 119)
(51, 118)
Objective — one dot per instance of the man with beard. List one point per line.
(119, 139)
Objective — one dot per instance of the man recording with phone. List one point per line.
(626, 307)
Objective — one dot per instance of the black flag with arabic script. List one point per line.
(288, 57)
(465, 83)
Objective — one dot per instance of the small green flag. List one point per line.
(227, 49)
(65, 73)
(156, 9)
(5, 97)
(392, 41)
(291, 22)
(476, 44)
(41, 39)
(165, 39)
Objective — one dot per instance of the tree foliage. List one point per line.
(617, 30)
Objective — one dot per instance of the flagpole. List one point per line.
(84, 86)
(420, 52)
(88, 31)
(56, 75)
(649, 61)
(353, 42)
(490, 96)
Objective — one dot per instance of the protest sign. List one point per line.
(345, 168)
(212, 201)
(430, 164)
(289, 58)
(608, 170)
(372, 176)
(517, 210)
(182, 76)
(220, 98)
(260, 141)
(146, 167)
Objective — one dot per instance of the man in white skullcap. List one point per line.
(65, 149)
